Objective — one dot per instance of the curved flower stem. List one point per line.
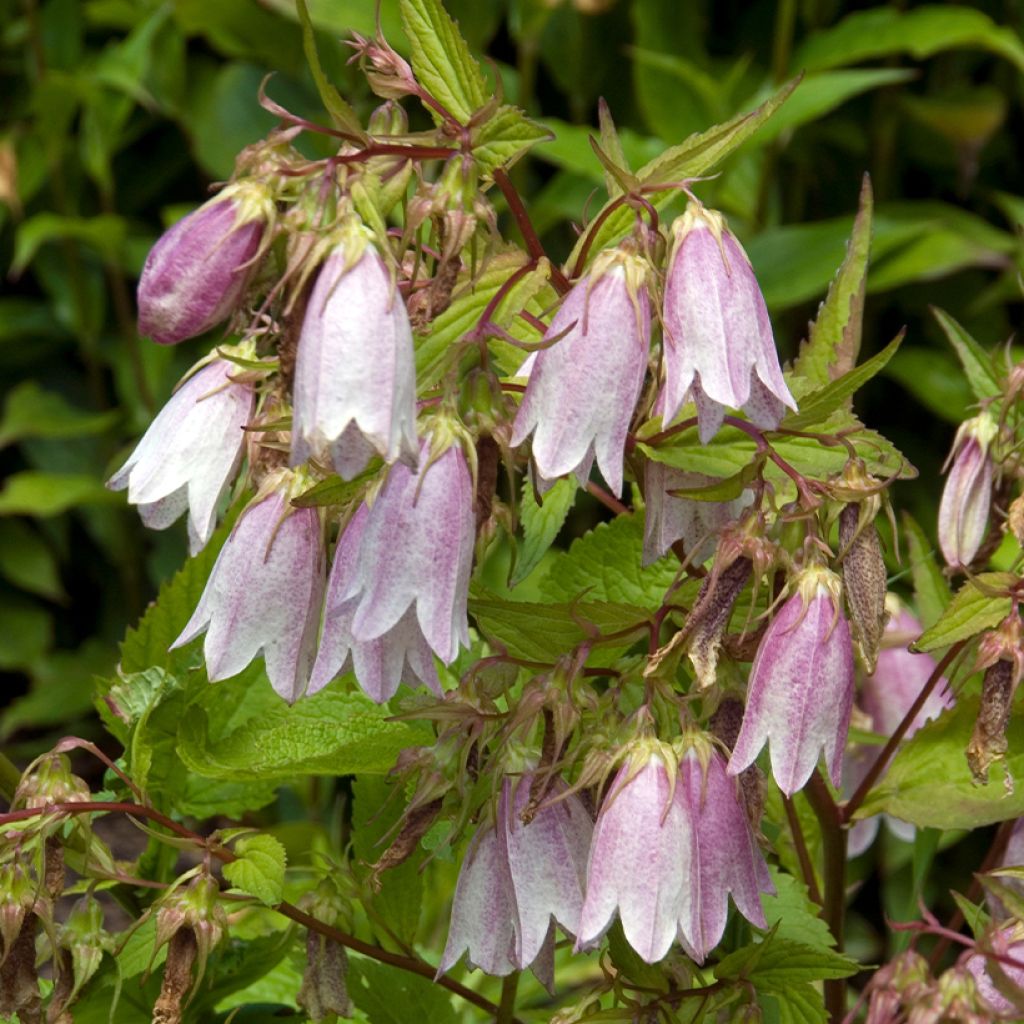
(802, 855)
(406, 963)
(763, 445)
(507, 1007)
(606, 499)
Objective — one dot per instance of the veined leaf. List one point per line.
(972, 610)
(776, 964)
(259, 869)
(504, 137)
(541, 524)
(975, 360)
(931, 588)
(342, 114)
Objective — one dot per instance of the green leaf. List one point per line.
(934, 379)
(541, 524)
(776, 964)
(834, 339)
(342, 114)
(931, 588)
(27, 561)
(793, 914)
(35, 493)
(819, 404)
(106, 233)
(975, 360)
(797, 1004)
(330, 733)
(441, 59)
(32, 412)
(972, 610)
(504, 137)
(930, 785)
(921, 32)
(569, 147)
(335, 491)
(259, 869)
(722, 490)
(388, 995)
(26, 632)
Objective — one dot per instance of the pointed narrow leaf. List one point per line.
(541, 524)
(342, 114)
(976, 362)
(973, 609)
(931, 588)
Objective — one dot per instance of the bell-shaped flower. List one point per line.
(190, 453)
(584, 387)
(885, 698)
(355, 380)
(643, 861)
(800, 693)
(1002, 960)
(518, 879)
(416, 552)
(264, 592)
(967, 496)
(719, 348)
(401, 655)
(727, 857)
(200, 268)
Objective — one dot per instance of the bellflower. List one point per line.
(190, 453)
(198, 272)
(801, 686)
(264, 593)
(416, 553)
(355, 382)
(517, 880)
(1009, 943)
(401, 655)
(885, 697)
(582, 390)
(967, 496)
(719, 348)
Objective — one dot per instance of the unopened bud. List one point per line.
(967, 496)
(864, 580)
(324, 992)
(17, 897)
(49, 780)
(389, 118)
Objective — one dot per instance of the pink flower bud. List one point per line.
(583, 389)
(197, 273)
(264, 594)
(355, 380)
(1007, 943)
(190, 453)
(967, 496)
(801, 686)
(719, 348)
(517, 880)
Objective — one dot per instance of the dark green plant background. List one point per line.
(119, 114)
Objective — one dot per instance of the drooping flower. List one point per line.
(518, 879)
(190, 453)
(967, 496)
(198, 271)
(1006, 943)
(1013, 857)
(800, 693)
(264, 592)
(584, 387)
(719, 348)
(401, 655)
(642, 860)
(355, 381)
(885, 697)
(416, 552)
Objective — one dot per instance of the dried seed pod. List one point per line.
(988, 741)
(324, 992)
(864, 580)
(710, 616)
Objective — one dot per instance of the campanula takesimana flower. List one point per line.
(967, 495)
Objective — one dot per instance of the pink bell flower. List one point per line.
(967, 496)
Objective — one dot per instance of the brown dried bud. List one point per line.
(181, 955)
(710, 616)
(19, 982)
(864, 579)
(415, 826)
(1015, 519)
(324, 992)
(988, 741)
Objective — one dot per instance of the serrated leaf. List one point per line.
(798, 1004)
(972, 610)
(793, 914)
(259, 869)
(441, 59)
(834, 338)
(32, 412)
(342, 114)
(36, 493)
(931, 588)
(974, 359)
(611, 145)
(975, 915)
(330, 733)
(930, 784)
(776, 964)
(822, 402)
(388, 995)
(541, 524)
(504, 137)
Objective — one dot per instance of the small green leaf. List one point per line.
(504, 137)
(27, 561)
(342, 114)
(541, 524)
(32, 412)
(611, 145)
(976, 362)
(776, 964)
(441, 59)
(35, 493)
(834, 339)
(335, 491)
(797, 1004)
(259, 869)
(973, 609)
(931, 588)
(792, 913)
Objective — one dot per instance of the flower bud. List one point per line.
(995, 979)
(83, 935)
(967, 496)
(719, 349)
(584, 387)
(198, 272)
(801, 686)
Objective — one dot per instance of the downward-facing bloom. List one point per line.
(967, 496)
(719, 348)
(517, 880)
(584, 387)
(1007, 943)
(415, 556)
(801, 686)
(264, 593)
(197, 273)
(190, 453)
(355, 382)
(401, 655)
